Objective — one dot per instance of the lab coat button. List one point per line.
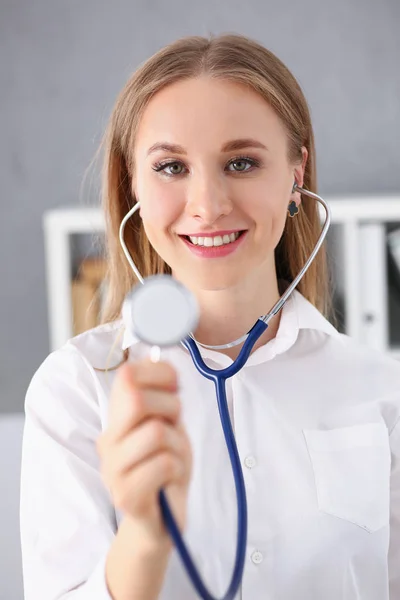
(250, 462)
(257, 557)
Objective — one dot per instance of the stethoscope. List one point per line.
(162, 313)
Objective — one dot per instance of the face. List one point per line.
(214, 182)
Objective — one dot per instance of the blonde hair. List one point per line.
(229, 57)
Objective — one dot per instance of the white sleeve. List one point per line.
(394, 547)
(67, 521)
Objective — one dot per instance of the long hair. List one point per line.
(233, 58)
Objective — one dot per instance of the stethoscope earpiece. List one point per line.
(294, 187)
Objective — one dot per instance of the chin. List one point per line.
(209, 282)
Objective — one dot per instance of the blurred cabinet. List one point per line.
(73, 301)
(87, 291)
(366, 276)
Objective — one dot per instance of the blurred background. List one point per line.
(62, 65)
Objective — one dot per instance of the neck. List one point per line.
(228, 314)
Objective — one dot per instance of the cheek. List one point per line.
(269, 214)
(278, 220)
(160, 208)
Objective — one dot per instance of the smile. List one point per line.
(218, 240)
(216, 246)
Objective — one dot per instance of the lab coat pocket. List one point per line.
(352, 472)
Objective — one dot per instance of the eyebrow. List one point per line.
(238, 144)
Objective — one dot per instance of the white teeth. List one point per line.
(218, 240)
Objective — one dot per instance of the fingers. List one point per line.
(148, 438)
(146, 374)
(145, 446)
(145, 480)
(131, 403)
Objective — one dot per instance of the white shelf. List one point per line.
(59, 225)
(363, 267)
(361, 208)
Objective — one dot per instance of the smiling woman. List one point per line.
(205, 188)
(218, 126)
(211, 149)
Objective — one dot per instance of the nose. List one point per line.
(208, 199)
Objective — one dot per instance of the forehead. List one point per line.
(206, 111)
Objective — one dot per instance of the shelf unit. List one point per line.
(360, 222)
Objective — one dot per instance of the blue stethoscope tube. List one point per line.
(219, 378)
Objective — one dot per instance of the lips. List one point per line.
(213, 233)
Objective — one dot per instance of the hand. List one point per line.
(145, 447)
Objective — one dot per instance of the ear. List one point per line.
(299, 170)
(135, 197)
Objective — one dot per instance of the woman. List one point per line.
(210, 136)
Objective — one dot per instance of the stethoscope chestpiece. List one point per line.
(160, 312)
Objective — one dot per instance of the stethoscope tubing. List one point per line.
(279, 304)
(219, 378)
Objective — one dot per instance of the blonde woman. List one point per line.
(210, 136)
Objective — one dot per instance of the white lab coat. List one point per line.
(316, 420)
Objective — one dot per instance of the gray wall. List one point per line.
(63, 63)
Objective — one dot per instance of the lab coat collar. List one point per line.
(297, 313)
